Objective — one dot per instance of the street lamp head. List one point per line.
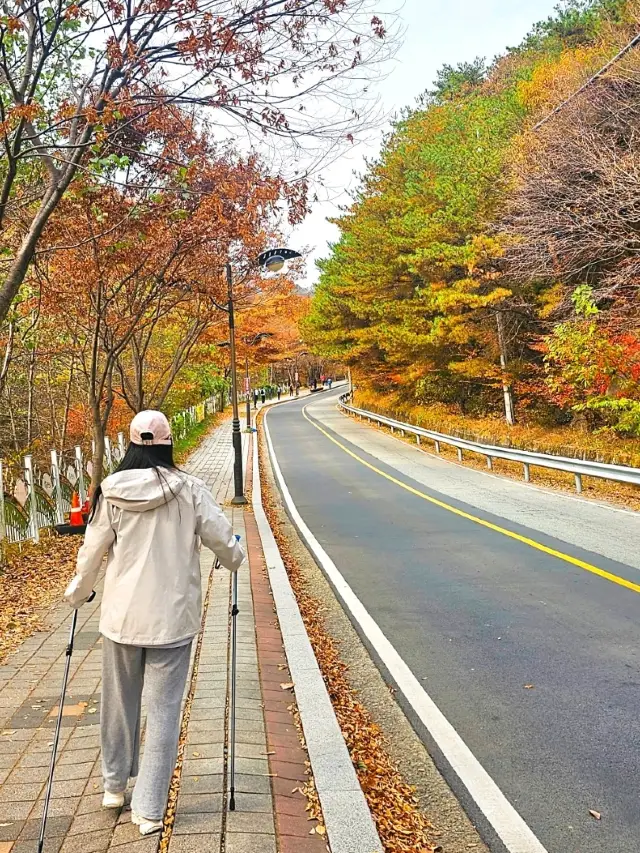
(274, 259)
(275, 263)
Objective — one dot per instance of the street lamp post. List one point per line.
(247, 388)
(238, 499)
(273, 260)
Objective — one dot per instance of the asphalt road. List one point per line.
(477, 617)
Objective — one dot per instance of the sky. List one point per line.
(435, 32)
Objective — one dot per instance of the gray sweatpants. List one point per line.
(163, 672)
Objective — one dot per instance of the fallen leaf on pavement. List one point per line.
(528, 687)
(595, 814)
(287, 686)
(31, 580)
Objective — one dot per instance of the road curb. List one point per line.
(350, 826)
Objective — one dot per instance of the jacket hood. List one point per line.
(142, 489)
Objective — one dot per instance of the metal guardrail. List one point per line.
(578, 467)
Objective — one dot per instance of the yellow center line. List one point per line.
(574, 561)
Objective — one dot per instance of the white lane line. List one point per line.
(516, 836)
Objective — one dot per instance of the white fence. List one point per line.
(33, 498)
(578, 467)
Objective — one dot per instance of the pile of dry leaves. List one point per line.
(402, 827)
(31, 581)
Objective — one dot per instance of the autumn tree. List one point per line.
(269, 334)
(432, 293)
(230, 210)
(76, 76)
(118, 291)
(574, 224)
(453, 81)
(412, 288)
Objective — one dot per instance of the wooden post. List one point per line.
(80, 474)
(55, 476)
(31, 497)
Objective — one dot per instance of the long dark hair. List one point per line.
(140, 456)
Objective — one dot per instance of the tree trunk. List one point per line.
(32, 370)
(97, 461)
(54, 427)
(8, 353)
(57, 188)
(67, 406)
(509, 407)
(14, 432)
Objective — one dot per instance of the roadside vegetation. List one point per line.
(486, 277)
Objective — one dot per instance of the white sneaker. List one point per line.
(113, 801)
(145, 826)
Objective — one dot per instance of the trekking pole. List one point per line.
(232, 713)
(56, 738)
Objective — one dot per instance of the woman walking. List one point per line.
(149, 518)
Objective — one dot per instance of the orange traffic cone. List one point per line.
(75, 517)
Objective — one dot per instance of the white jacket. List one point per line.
(150, 525)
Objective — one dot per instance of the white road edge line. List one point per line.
(350, 825)
(515, 834)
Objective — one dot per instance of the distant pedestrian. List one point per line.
(279, 392)
(255, 398)
(290, 390)
(330, 382)
(263, 396)
(149, 519)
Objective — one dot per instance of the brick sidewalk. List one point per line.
(270, 814)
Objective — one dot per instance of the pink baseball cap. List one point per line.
(150, 427)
